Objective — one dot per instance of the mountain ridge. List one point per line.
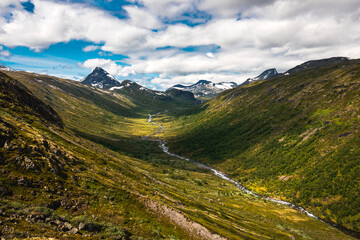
(317, 63)
(269, 73)
(140, 95)
(204, 89)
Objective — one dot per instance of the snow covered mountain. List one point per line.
(101, 79)
(204, 89)
(3, 68)
(263, 76)
(143, 96)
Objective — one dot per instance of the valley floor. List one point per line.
(284, 208)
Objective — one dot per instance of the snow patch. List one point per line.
(116, 88)
(7, 69)
(110, 76)
(178, 88)
(98, 85)
(224, 85)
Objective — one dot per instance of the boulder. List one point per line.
(90, 227)
(74, 231)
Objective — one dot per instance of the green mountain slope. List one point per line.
(294, 136)
(94, 177)
(54, 183)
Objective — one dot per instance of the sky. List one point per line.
(160, 43)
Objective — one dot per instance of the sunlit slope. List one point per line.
(295, 136)
(102, 116)
(52, 181)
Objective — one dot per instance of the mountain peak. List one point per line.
(101, 79)
(269, 73)
(98, 69)
(127, 81)
(203, 82)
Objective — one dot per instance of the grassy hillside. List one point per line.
(53, 182)
(295, 137)
(93, 177)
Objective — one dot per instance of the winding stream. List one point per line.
(165, 149)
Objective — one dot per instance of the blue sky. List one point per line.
(163, 43)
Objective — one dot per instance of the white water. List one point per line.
(162, 145)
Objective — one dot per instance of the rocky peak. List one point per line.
(269, 73)
(101, 79)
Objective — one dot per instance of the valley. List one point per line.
(165, 149)
(179, 120)
(83, 162)
(292, 137)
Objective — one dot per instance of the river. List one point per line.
(165, 149)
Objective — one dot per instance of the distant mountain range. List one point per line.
(99, 78)
(204, 89)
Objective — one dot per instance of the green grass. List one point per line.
(107, 173)
(302, 128)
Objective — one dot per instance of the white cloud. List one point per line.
(141, 17)
(109, 65)
(91, 48)
(104, 54)
(167, 8)
(5, 5)
(230, 8)
(5, 53)
(210, 55)
(54, 22)
(271, 33)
